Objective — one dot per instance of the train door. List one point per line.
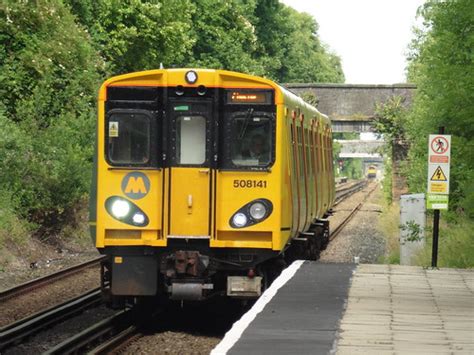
(189, 175)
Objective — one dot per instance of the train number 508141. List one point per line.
(250, 184)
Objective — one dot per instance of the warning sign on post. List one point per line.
(439, 156)
(439, 144)
(439, 175)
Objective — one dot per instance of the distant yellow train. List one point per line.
(205, 182)
(372, 172)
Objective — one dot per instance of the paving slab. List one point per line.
(425, 312)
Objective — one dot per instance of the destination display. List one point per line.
(248, 97)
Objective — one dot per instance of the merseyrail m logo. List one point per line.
(135, 185)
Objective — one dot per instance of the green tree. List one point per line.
(261, 37)
(441, 64)
(390, 123)
(224, 37)
(135, 35)
(50, 75)
(307, 59)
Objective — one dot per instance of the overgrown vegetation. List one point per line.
(262, 37)
(389, 223)
(441, 65)
(49, 74)
(55, 53)
(455, 248)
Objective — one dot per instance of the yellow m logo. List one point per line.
(135, 185)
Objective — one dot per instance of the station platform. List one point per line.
(316, 308)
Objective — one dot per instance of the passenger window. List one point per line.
(129, 138)
(251, 143)
(191, 140)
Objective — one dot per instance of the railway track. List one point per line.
(342, 192)
(102, 337)
(45, 280)
(353, 212)
(18, 331)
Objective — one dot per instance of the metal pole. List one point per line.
(434, 254)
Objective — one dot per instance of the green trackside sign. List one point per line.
(437, 202)
(439, 156)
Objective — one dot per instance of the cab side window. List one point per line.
(251, 141)
(128, 138)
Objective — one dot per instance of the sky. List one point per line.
(370, 36)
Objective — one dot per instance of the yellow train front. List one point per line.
(372, 172)
(205, 182)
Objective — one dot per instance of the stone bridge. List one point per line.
(351, 106)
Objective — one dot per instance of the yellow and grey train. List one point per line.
(372, 172)
(205, 182)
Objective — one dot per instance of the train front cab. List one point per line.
(173, 194)
(179, 204)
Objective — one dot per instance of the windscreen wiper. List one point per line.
(248, 116)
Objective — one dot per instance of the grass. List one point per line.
(456, 244)
(456, 239)
(389, 224)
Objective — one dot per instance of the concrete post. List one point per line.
(412, 226)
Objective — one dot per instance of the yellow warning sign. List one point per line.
(438, 175)
(113, 129)
(438, 187)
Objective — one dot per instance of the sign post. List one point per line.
(439, 156)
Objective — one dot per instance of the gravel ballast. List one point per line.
(361, 237)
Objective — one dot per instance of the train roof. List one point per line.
(209, 78)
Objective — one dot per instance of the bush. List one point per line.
(50, 75)
(12, 228)
(456, 245)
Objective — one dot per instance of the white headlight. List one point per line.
(258, 210)
(239, 220)
(120, 208)
(138, 218)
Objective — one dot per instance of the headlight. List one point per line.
(257, 210)
(126, 211)
(239, 220)
(138, 218)
(251, 213)
(120, 208)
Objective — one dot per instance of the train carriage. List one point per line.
(204, 182)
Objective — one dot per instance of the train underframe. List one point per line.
(189, 270)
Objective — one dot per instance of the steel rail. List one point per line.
(341, 226)
(104, 329)
(15, 332)
(118, 342)
(45, 280)
(343, 193)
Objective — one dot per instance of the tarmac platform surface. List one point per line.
(316, 308)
